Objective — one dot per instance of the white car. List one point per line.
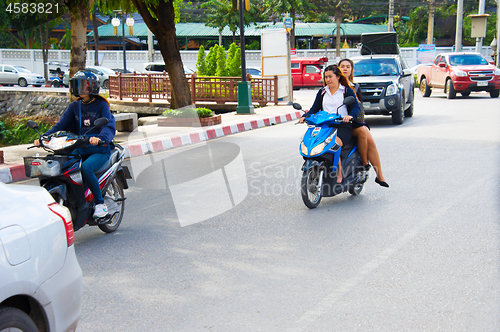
(11, 75)
(159, 67)
(40, 278)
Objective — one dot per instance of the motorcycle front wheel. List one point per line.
(310, 187)
(115, 202)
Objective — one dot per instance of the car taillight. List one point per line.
(65, 215)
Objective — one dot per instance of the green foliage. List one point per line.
(211, 61)
(234, 61)
(189, 112)
(14, 131)
(201, 65)
(254, 45)
(221, 62)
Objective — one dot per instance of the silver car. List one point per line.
(11, 75)
(102, 74)
(40, 278)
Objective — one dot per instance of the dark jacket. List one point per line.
(70, 121)
(353, 109)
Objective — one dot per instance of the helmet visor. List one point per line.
(79, 87)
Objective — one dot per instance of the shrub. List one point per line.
(221, 62)
(211, 61)
(14, 131)
(233, 61)
(188, 112)
(201, 65)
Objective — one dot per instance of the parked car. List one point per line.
(308, 71)
(101, 72)
(128, 71)
(11, 75)
(459, 73)
(40, 278)
(159, 67)
(254, 72)
(387, 85)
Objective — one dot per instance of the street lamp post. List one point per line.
(244, 88)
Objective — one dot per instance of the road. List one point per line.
(216, 237)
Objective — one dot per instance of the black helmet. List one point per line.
(84, 82)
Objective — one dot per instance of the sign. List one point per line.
(326, 40)
(287, 22)
(426, 53)
(293, 51)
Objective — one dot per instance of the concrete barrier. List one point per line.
(126, 121)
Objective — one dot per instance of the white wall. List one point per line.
(32, 59)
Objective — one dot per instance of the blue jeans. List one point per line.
(90, 164)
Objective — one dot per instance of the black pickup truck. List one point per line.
(386, 82)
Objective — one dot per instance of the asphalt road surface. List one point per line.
(216, 238)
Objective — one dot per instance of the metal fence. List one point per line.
(214, 89)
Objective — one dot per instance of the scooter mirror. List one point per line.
(297, 106)
(101, 122)
(349, 100)
(32, 124)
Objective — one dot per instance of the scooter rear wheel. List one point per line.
(311, 193)
(114, 200)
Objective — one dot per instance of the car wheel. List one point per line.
(450, 90)
(105, 84)
(22, 82)
(494, 93)
(115, 202)
(465, 93)
(425, 89)
(12, 319)
(56, 84)
(399, 114)
(409, 111)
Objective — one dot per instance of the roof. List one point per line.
(200, 30)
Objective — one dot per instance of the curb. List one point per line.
(14, 173)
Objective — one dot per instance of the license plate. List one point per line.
(482, 83)
(366, 104)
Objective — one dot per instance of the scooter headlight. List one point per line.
(303, 148)
(318, 149)
(392, 89)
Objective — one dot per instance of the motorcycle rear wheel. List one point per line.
(114, 200)
(311, 194)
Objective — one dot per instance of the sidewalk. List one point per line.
(150, 138)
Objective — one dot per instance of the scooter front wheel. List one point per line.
(311, 186)
(115, 202)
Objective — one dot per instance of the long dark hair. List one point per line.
(335, 69)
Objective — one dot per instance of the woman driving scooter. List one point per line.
(329, 98)
(79, 119)
(366, 144)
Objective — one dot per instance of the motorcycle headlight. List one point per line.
(303, 148)
(460, 73)
(318, 149)
(392, 89)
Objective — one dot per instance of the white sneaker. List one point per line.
(100, 211)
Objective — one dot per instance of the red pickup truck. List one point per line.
(307, 72)
(459, 72)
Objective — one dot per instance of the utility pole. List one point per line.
(479, 40)
(498, 33)
(391, 16)
(338, 19)
(430, 28)
(459, 28)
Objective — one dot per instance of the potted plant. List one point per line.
(189, 117)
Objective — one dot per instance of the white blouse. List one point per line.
(331, 102)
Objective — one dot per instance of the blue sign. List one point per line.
(326, 40)
(287, 21)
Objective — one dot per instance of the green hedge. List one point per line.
(14, 131)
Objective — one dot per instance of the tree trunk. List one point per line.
(46, 58)
(164, 29)
(292, 32)
(79, 12)
(338, 19)
(96, 39)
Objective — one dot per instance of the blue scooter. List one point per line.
(321, 154)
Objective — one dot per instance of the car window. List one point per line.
(443, 60)
(312, 70)
(436, 62)
(467, 59)
(9, 69)
(375, 67)
(295, 65)
(22, 69)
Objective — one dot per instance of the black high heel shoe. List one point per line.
(382, 183)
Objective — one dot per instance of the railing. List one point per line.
(214, 89)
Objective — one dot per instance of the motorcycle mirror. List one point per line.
(32, 124)
(297, 106)
(349, 100)
(101, 122)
